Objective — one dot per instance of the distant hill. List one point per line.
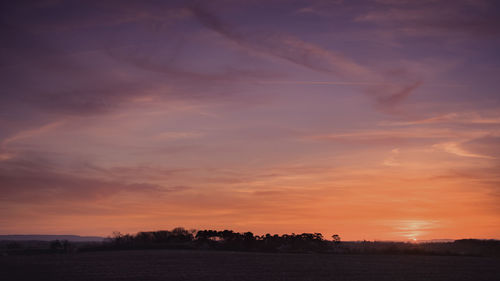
(37, 237)
(437, 241)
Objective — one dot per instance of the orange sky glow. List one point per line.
(374, 120)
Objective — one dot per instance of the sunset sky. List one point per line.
(371, 119)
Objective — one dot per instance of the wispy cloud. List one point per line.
(456, 149)
(392, 159)
(471, 118)
(394, 135)
(34, 179)
(286, 47)
(311, 56)
(422, 18)
(166, 136)
(341, 83)
(32, 132)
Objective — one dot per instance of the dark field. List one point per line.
(201, 265)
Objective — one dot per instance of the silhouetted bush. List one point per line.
(61, 246)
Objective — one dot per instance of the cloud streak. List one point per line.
(308, 55)
(32, 180)
(424, 18)
(456, 149)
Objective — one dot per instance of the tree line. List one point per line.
(181, 238)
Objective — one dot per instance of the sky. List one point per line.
(374, 119)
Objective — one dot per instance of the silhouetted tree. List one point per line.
(336, 238)
(56, 245)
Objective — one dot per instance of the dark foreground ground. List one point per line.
(200, 265)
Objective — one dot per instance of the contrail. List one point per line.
(349, 83)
